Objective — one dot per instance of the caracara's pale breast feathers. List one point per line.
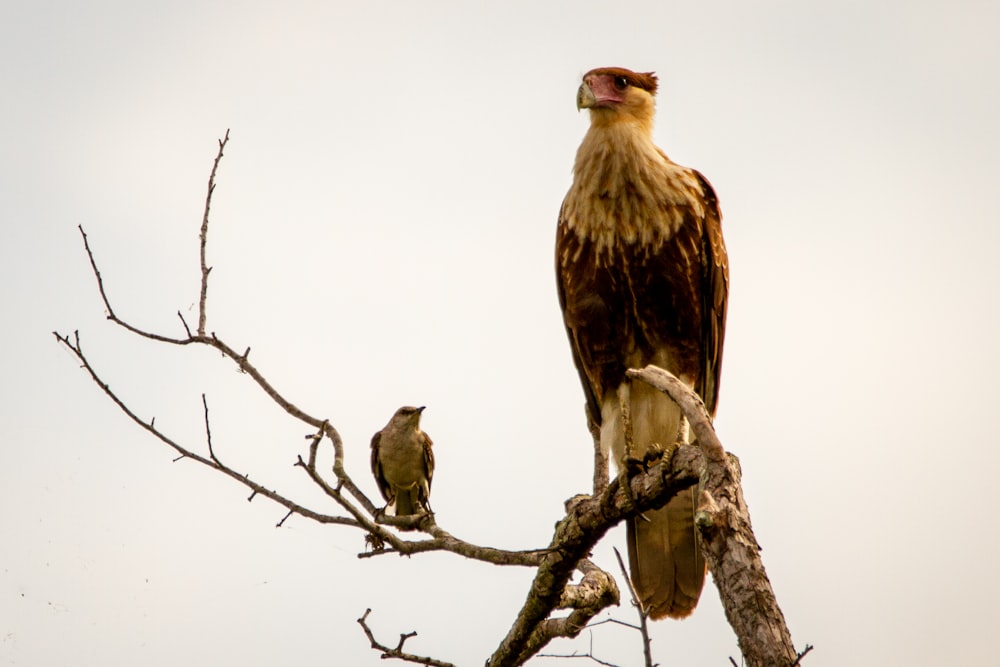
(625, 190)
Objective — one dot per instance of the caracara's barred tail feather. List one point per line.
(668, 570)
(667, 567)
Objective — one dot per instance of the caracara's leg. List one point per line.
(628, 465)
(625, 405)
(601, 477)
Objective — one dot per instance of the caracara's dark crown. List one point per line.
(645, 80)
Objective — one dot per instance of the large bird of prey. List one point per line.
(403, 463)
(643, 279)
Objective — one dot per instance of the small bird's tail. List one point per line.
(406, 502)
(412, 501)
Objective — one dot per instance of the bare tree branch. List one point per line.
(596, 591)
(441, 540)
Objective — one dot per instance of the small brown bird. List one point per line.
(643, 279)
(403, 463)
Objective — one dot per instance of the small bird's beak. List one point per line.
(421, 409)
(585, 97)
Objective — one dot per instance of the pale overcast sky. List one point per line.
(382, 234)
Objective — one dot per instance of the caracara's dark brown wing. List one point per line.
(582, 305)
(715, 297)
(645, 301)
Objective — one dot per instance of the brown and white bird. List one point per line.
(403, 463)
(643, 279)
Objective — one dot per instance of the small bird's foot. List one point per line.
(374, 542)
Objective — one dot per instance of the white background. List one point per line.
(382, 234)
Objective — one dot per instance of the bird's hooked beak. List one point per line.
(585, 98)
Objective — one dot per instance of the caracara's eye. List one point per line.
(621, 83)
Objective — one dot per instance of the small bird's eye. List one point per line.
(621, 83)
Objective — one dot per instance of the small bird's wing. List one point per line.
(428, 470)
(383, 485)
(428, 458)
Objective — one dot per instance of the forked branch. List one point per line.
(397, 652)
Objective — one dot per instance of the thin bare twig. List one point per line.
(643, 628)
(398, 652)
(110, 311)
(184, 322)
(589, 655)
(615, 621)
(203, 238)
(208, 431)
(802, 654)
